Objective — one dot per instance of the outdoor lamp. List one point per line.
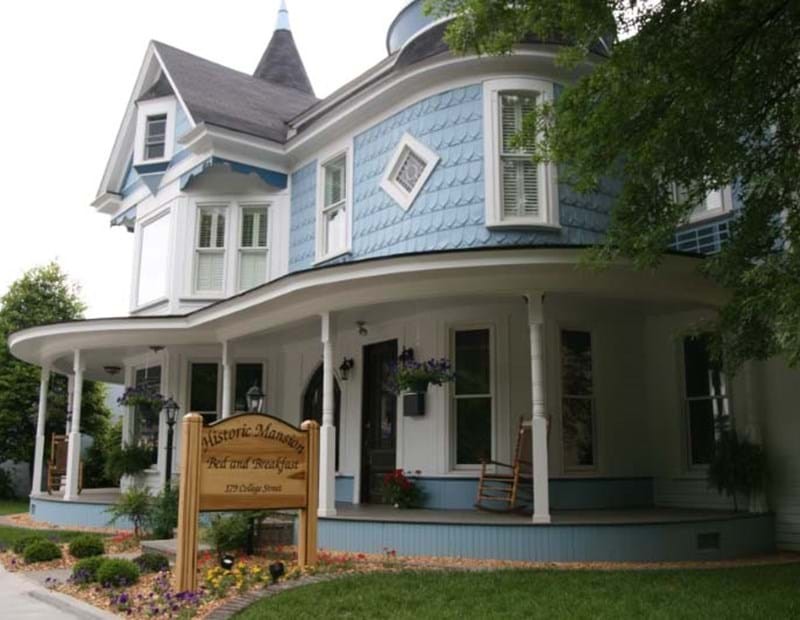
(276, 571)
(255, 399)
(227, 561)
(345, 368)
(170, 408)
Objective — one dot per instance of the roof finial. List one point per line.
(283, 17)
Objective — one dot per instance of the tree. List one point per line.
(695, 94)
(42, 295)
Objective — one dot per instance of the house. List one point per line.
(300, 245)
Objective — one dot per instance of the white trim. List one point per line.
(726, 201)
(341, 149)
(266, 249)
(547, 172)
(389, 183)
(134, 305)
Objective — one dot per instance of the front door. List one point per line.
(378, 420)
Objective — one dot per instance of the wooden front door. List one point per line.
(378, 420)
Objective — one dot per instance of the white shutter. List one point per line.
(210, 270)
(252, 269)
(220, 239)
(511, 188)
(204, 235)
(530, 189)
(520, 176)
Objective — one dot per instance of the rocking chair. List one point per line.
(504, 487)
(57, 465)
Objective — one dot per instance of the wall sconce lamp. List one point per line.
(255, 399)
(362, 330)
(112, 370)
(345, 368)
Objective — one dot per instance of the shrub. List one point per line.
(41, 551)
(128, 460)
(151, 562)
(19, 545)
(163, 517)
(737, 465)
(6, 485)
(117, 572)
(228, 533)
(134, 505)
(85, 570)
(86, 546)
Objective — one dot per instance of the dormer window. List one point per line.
(155, 140)
(408, 170)
(519, 192)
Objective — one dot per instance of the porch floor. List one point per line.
(630, 516)
(87, 496)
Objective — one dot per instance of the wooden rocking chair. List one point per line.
(504, 487)
(57, 465)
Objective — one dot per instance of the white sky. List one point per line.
(68, 70)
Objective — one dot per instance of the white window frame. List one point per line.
(453, 397)
(155, 107)
(137, 305)
(345, 150)
(568, 468)
(548, 216)
(223, 207)
(389, 182)
(725, 197)
(241, 250)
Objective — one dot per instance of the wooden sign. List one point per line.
(246, 462)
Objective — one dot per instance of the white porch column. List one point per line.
(227, 381)
(74, 447)
(758, 501)
(327, 436)
(38, 453)
(539, 422)
(127, 416)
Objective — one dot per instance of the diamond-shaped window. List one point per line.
(409, 167)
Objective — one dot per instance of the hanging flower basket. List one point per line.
(147, 402)
(411, 379)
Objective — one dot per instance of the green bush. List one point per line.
(163, 518)
(6, 485)
(19, 545)
(85, 570)
(134, 505)
(128, 460)
(738, 466)
(41, 551)
(228, 533)
(86, 546)
(151, 562)
(117, 572)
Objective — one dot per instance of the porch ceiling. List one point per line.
(301, 297)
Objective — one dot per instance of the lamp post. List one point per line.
(171, 409)
(255, 399)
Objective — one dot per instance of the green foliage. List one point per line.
(6, 485)
(42, 295)
(85, 570)
(151, 562)
(134, 505)
(41, 551)
(693, 94)
(164, 514)
(117, 572)
(737, 466)
(228, 533)
(18, 546)
(98, 458)
(128, 460)
(87, 546)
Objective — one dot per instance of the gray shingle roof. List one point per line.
(281, 63)
(221, 96)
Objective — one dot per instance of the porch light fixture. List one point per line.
(112, 370)
(362, 330)
(171, 409)
(255, 399)
(345, 368)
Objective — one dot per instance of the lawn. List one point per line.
(8, 535)
(751, 592)
(13, 506)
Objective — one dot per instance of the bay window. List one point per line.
(210, 249)
(253, 246)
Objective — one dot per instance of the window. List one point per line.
(472, 395)
(155, 137)
(145, 420)
(252, 247)
(716, 202)
(333, 225)
(519, 192)
(153, 261)
(706, 398)
(247, 375)
(210, 250)
(577, 400)
(409, 167)
(204, 390)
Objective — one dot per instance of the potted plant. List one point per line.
(738, 466)
(400, 490)
(412, 378)
(129, 460)
(147, 402)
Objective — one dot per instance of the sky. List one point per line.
(68, 71)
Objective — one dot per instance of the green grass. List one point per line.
(751, 592)
(13, 506)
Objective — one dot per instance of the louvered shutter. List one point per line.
(210, 270)
(519, 175)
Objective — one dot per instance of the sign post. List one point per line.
(246, 462)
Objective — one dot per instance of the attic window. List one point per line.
(155, 140)
(409, 167)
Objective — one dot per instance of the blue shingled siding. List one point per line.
(303, 214)
(449, 212)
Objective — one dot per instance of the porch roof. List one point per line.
(303, 296)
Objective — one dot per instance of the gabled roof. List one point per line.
(221, 96)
